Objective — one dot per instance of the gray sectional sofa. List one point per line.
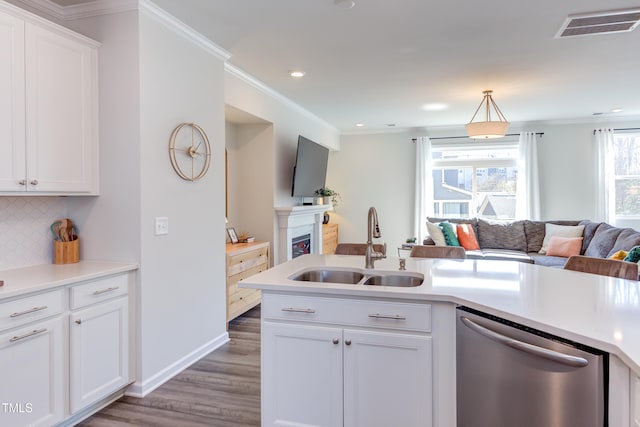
(521, 240)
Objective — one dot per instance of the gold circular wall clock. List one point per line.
(190, 151)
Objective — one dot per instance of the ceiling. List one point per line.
(425, 63)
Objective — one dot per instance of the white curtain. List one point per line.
(528, 185)
(423, 188)
(605, 187)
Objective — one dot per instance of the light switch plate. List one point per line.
(161, 225)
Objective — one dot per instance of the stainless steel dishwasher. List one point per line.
(511, 375)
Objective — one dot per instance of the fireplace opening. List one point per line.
(300, 245)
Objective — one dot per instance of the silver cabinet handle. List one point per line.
(31, 310)
(545, 353)
(22, 182)
(299, 310)
(34, 332)
(79, 321)
(34, 182)
(388, 316)
(347, 342)
(335, 340)
(106, 290)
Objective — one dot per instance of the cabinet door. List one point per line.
(33, 375)
(99, 355)
(12, 104)
(61, 115)
(302, 375)
(387, 379)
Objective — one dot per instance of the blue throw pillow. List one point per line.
(449, 235)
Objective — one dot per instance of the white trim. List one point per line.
(262, 87)
(141, 389)
(47, 6)
(98, 8)
(160, 15)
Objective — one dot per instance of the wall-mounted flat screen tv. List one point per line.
(310, 170)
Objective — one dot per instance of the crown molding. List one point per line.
(161, 16)
(262, 87)
(84, 10)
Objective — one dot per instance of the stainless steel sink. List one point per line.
(330, 276)
(399, 280)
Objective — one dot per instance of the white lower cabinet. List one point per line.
(33, 374)
(99, 351)
(365, 367)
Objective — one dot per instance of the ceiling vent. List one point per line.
(616, 21)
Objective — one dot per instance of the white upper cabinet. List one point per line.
(48, 84)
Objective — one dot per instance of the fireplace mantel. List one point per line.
(296, 220)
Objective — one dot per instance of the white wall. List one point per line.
(374, 170)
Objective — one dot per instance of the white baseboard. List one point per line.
(142, 388)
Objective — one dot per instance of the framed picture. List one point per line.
(232, 235)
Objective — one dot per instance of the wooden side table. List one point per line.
(244, 260)
(329, 238)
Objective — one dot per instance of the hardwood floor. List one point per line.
(222, 389)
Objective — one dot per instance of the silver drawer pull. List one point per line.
(31, 310)
(388, 316)
(34, 332)
(106, 290)
(299, 310)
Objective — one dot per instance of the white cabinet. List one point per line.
(32, 367)
(334, 362)
(48, 108)
(99, 340)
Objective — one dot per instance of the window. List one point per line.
(626, 174)
(475, 179)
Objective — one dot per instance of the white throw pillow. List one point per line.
(436, 234)
(551, 230)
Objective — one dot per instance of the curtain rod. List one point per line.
(618, 130)
(466, 137)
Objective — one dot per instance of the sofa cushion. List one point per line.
(449, 233)
(626, 240)
(603, 240)
(535, 231)
(559, 230)
(590, 228)
(548, 261)
(502, 235)
(472, 221)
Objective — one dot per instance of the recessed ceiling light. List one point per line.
(345, 4)
(297, 73)
(359, 125)
(616, 110)
(435, 106)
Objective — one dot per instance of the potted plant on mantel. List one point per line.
(334, 197)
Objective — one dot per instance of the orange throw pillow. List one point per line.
(467, 237)
(564, 246)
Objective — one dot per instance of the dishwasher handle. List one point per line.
(574, 361)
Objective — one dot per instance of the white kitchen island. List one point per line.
(413, 338)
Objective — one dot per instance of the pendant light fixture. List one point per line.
(488, 128)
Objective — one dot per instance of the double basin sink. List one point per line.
(357, 277)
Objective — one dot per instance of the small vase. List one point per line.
(325, 218)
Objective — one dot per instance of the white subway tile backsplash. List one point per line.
(25, 238)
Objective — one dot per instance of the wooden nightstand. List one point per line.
(244, 260)
(329, 238)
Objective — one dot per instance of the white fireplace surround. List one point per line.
(294, 221)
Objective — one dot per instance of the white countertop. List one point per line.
(598, 311)
(20, 281)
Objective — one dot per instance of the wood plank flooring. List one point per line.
(222, 389)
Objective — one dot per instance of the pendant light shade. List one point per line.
(489, 128)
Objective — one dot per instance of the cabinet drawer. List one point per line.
(25, 310)
(99, 290)
(232, 281)
(242, 300)
(371, 314)
(242, 262)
